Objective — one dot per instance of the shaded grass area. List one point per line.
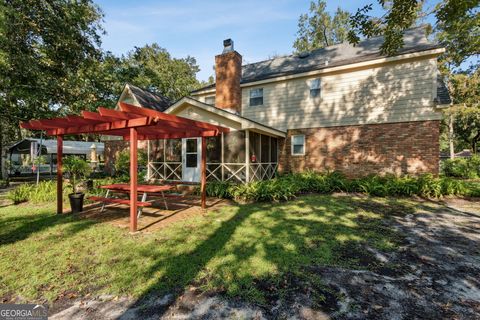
(247, 251)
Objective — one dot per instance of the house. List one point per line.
(342, 107)
(465, 153)
(21, 153)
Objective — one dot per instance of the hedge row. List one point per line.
(289, 186)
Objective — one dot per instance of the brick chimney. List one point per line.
(228, 72)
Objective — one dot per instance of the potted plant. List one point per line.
(77, 169)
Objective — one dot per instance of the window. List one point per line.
(191, 153)
(315, 88)
(210, 100)
(256, 97)
(298, 145)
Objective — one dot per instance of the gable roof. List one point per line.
(331, 56)
(245, 123)
(443, 96)
(148, 99)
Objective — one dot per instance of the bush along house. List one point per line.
(343, 107)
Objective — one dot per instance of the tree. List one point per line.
(457, 22)
(319, 29)
(153, 68)
(465, 92)
(45, 46)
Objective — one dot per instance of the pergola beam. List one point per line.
(97, 116)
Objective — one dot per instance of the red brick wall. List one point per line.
(228, 72)
(113, 148)
(398, 148)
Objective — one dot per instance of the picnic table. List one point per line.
(144, 189)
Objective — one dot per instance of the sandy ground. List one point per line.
(436, 276)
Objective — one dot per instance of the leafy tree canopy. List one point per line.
(153, 68)
(465, 92)
(457, 24)
(318, 28)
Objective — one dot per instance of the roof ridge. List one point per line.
(422, 26)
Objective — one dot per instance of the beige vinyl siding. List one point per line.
(391, 92)
(395, 92)
(201, 97)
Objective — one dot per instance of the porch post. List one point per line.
(133, 179)
(59, 174)
(222, 159)
(148, 160)
(247, 156)
(203, 169)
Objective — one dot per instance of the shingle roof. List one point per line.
(336, 55)
(149, 99)
(443, 96)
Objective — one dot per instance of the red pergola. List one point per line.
(133, 124)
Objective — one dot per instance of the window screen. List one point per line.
(256, 97)
(315, 88)
(210, 100)
(298, 145)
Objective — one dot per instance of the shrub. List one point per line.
(288, 186)
(122, 163)
(45, 191)
(77, 169)
(20, 194)
(219, 189)
(467, 168)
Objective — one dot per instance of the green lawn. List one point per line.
(236, 250)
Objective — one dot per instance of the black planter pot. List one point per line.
(76, 201)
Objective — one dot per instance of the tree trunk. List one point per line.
(451, 136)
(3, 167)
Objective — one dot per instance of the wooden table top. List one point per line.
(140, 187)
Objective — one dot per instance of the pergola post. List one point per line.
(59, 174)
(203, 169)
(133, 179)
(247, 156)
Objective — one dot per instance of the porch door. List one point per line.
(191, 157)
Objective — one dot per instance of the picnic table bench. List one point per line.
(143, 189)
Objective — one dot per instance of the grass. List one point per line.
(235, 250)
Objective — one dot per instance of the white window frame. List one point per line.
(313, 86)
(250, 97)
(292, 138)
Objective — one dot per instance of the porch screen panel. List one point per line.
(234, 151)
(254, 147)
(234, 156)
(274, 150)
(173, 159)
(156, 151)
(265, 153)
(173, 152)
(214, 149)
(214, 158)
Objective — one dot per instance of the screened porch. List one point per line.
(238, 156)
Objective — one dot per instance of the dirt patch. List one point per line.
(155, 217)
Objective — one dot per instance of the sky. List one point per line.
(259, 29)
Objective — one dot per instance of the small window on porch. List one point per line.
(298, 145)
(210, 100)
